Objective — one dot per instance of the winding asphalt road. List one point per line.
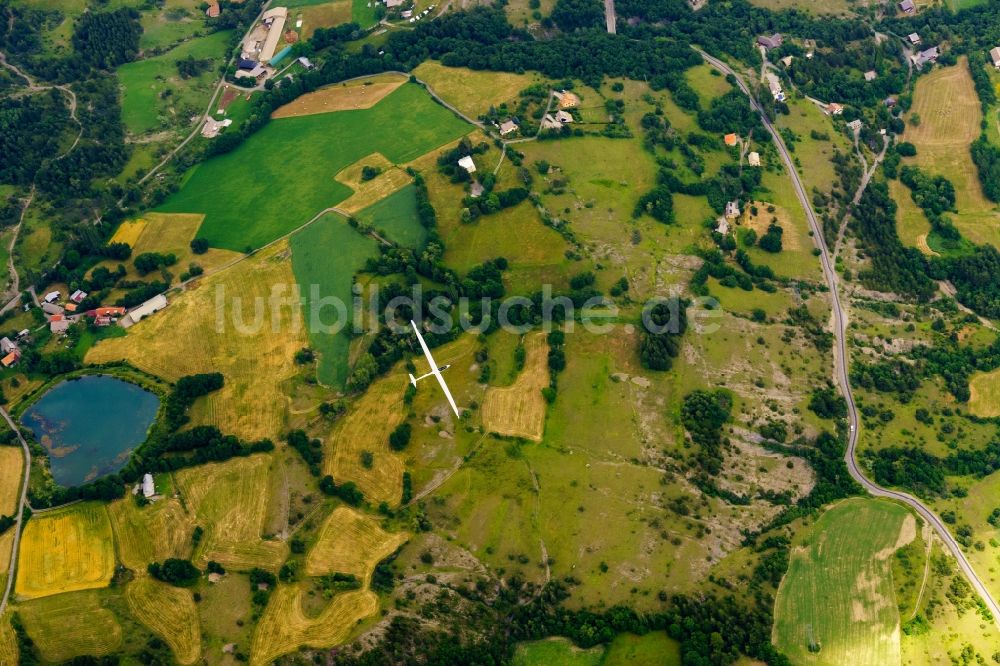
(840, 357)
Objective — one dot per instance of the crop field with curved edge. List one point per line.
(11, 475)
(351, 542)
(151, 533)
(8, 641)
(230, 506)
(285, 627)
(170, 613)
(366, 192)
(362, 94)
(187, 338)
(71, 625)
(518, 410)
(64, 551)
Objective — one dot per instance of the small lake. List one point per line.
(90, 425)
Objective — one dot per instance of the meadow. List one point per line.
(911, 223)
(227, 499)
(324, 15)
(8, 641)
(984, 397)
(297, 158)
(950, 116)
(65, 550)
(366, 192)
(71, 625)
(518, 410)
(170, 613)
(170, 23)
(395, 217)
(326, 256)
(838, 592)
(557, 652)
(474, 92)
(155, 97)
(186, 338)
(352, 543)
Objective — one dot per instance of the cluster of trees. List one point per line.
(311, 449)
(703, 413)
(188, 389)
(399, 438)
(348, 492)
(891, 376)
(935, 195)
(175, 571)
(658, 348)
(826, 403)
(147, 262)
(570, 15)
(986, 157)
(31, 130)
(974, 275)
(107, 39)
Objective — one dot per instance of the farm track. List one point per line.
(841, 360)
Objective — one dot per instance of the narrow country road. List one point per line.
(20, 510)
(840, 357)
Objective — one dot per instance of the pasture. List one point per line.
(230, 506)
(347, 96)
(71, 625)
(65, 550)
(285, 627)
(325, 15)
(838, 592)
(707, 83)
(949, 111)
(239, 341)
(353, 543)
(155, 97)
(652, 649)
(395, 217)
(170, 613)
(814, 155)
(298, 157)
(984, 390)
(366, 427)
(11, 475)
(331, 277)
(474, 92)
(367, 192)
(518, 410)
(557, 651)
(171, 22)
(151, 533)
(911, 223)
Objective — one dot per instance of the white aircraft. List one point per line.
(435, 370)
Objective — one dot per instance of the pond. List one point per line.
(90, 425)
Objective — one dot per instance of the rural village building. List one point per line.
(731, 139)
(59, 323)
(467, 164)
(155, 304)
(834, 109)
(507, 127)
(723, 226)
(212, 127)
(753, 159)
(889, 102)
(51, 297)
(11, 352)
(914, 38)
(732, 209)
(907, 7)
(52, 308)
(564, 117)
(995, 56)
(566, 99)
(772, 42)
(78, 296)
(305, 62)
(11, 359)
(854, 125)
(871, 75)
(148, 487)
(926, 56)
(774, 84)
(213, 10)
(787, 61)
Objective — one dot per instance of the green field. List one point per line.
(328, 253)
(396, 215)
(556, 652)
(170, 23)
(363, 12)
(294, 161)
(653, 649)
(838, 592)
(154, 95)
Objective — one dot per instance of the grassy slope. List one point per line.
(327, 254)
(396, 215)
(838, 590)
(294, 160)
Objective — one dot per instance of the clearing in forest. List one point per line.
(838, 593)
(170, 613)
(194, 335)
(231, 507)
(519, 410)
(353, 543)
(285, 627)
(71, 625)
(65, 550)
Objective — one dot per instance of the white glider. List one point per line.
(435, 370)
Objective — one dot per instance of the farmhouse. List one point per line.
(907, 6)
(753, 159)
(51, 297)
(889, 102)
(507, 127)
(914, 38)
(834, 109)
(723, 226)
(213, 10)
(732, 209)
(305, 62)
(772, 42)
(52, 308)
(787, 61)
(467, 164)
(246, 63)
(260, 44)
(78, 296)
(926, 56)
(564, 117)
(11, 359)
(995, 56)
(871, 75)
(774, 84)
(7, 345)
(148, 487)
(731, 139)
(854, 125)
(212, 127)
(59, 324)
(153, 305)
(71, 307)
(258, 73)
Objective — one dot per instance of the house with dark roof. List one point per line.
(926, 56)
(772, 42)
(247, 63)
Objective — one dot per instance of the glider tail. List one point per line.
(413, 380)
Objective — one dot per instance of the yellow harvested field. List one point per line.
(170, 613)
(65, 550)
(129, 232)
(151, 533)
(762, 220)
(518, 410)
(353, 543)
(367, 192)
(11, 475)
(71, 625)
(8, 641)
(361, 94)
(366, 428)
(285, 627)
(230, 502)
(984, 394)
(950, 115)
(193, 335)
(6, 550)
(473, 92)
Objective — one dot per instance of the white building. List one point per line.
(774, 84)
(995, 56)
(148, 489)
(753, 159)
(155, 304)
(732, 209)
(467, 164)
(51, 297)
(507, 127)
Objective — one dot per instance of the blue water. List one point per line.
(90, 425)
